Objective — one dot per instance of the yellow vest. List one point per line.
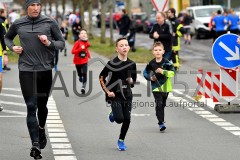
(1, 49)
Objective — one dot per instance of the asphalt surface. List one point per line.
(78, 127)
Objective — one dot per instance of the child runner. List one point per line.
(121, 74)
(159, 71)
(81, 56)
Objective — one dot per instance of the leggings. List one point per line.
(82, 73)
(160, 100)
(122, 114)
(35, 88)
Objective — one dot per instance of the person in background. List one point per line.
(178, 31)
(81, 56)
(187, 20)
(124, 23)
(36, 59)
(64, 30)
(3, 48)
(220, 21)
(159, 71)
(160, 32)
(212, 27)
(76, 27)
(121, 74)
(233, 22)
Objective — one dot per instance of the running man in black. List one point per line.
(121, 74)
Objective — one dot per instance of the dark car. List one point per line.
(138, 20)
(148, 23)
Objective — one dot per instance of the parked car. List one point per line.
(201, 17)
(148, 23)
(138, 20)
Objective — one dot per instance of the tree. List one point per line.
(82, 9)
(90, 26)
(128, 7)
(111, 21)
(74, 5)
(103, 24)
(63, 7)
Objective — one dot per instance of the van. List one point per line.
(201, 17)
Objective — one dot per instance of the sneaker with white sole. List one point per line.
(121, 145)
(35, 151)
(162, 127)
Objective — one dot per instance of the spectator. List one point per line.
(76, 27)
(64, 30)
(160, 32)
(3, 48)
(124, 23)
(233, 22)
(220, 21)
(187, 20)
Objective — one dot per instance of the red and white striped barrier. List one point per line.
(200, 82)
(216, 87)
(208, 85)
(229, 84)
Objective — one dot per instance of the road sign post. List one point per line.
(225, 52)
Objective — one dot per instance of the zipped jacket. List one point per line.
(163, 82)
(35, 56)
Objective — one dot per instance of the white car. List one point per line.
(201, 17)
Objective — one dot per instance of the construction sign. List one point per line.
(229, 84)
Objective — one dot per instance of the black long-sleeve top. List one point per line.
(113, 77)
(165, 36)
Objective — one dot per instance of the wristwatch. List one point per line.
(5, 52)
(48, 44)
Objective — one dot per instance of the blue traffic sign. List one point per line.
(225, 51)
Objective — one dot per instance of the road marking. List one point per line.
(11, 95)
(12, 89)
(65, 158)
(62, 140)
(14, 112)
(139, 115)
(12, 116)
(13, 103)
(62, 149)
(200, 111)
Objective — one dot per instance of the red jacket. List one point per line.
(77, 48)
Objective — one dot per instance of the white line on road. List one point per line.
(11, 95)
(200, 111)
(13, 103)
(14, 112)
(57, 134)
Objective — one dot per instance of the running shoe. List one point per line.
(162, 127)
(35, 151)
(121, 145)
(110, 116)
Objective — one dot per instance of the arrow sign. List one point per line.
(235, 56)
(225, 51)
(159, 5)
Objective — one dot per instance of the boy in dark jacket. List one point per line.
(159, 71)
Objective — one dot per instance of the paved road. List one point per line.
(78, 127)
